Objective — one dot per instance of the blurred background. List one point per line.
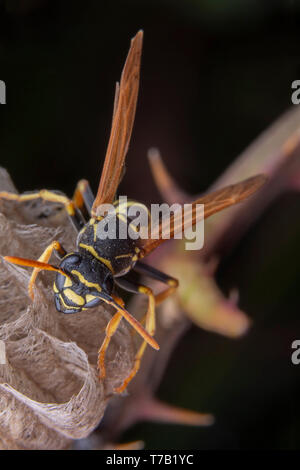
(215, 74)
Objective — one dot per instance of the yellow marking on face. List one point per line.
(68, 306)
(68, 282)
(94, 253)
(135, 258)
(75, 298)
(128, 255)
(55, 288)
(90, 297)
(92, 221)
(85, 281)
(137, 250)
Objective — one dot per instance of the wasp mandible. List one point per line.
(87, 276)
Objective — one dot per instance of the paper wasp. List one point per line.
(87, 276)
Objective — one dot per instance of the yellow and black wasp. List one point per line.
(88, 275)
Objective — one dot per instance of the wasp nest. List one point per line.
(49, 388)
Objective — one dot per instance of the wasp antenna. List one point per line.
(34, 264)
(133, 322)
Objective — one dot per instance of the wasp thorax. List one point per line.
(86, 283)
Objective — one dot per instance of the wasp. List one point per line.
(88, 275)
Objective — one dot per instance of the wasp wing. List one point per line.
(122, 123)
(213, 202)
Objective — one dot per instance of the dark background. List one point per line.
(215, 73)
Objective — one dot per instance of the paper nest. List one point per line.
(49, 388)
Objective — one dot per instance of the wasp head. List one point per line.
(86, 283)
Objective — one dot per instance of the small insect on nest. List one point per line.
(49, 387)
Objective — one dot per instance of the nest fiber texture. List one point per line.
(49, 388)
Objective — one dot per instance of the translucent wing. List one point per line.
(123, 118)
(213, 202)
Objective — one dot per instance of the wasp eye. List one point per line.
(73, 259)
(60, 281)
(108, 283)
(92, 301)
(70, 261)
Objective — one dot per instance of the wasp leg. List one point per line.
(110, 330)
(150, 324)
(44, 258)
(83, 198)
(149, 271)
(51, 196)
